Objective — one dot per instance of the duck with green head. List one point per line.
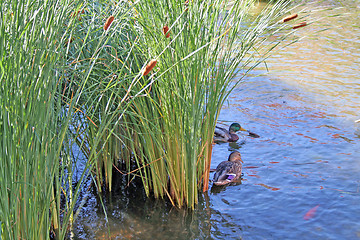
(228, 171)
(223, 135)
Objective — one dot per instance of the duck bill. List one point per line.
(243, 129)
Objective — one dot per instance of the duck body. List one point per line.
(228, 171)
(223, 135)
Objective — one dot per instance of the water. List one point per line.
(307, 158)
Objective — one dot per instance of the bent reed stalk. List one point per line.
(78, 98)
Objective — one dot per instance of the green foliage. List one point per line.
(31, 137)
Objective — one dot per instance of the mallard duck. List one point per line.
(223, 135)
(228, 171)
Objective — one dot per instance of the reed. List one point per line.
(63, 88)
(32, 127)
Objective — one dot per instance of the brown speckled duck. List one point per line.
(228, 171)
(223, 135)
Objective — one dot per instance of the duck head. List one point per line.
(235, 156)
(234, 127)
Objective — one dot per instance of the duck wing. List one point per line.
(227, 171)
(221, 134)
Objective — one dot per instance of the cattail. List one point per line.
(290, 17)
(149, 67)
(108, 22)
(75, 14)
(302, 24)
(165, 30)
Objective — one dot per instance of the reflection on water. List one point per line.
(325, 64)
(131, 215)
(301, 177)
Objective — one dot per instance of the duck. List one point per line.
(223, 135)
(228, 171)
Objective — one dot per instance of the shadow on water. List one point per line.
(301, 177)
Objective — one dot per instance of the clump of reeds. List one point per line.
(33, 159)
(172, 126)
(62, 101)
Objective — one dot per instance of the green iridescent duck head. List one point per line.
(235, 127)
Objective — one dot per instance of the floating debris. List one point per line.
(311, 213)
(268, 187)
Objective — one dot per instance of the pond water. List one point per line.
(301, 177)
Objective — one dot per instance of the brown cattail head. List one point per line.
(149, 67)
(290, 17)
(165, 31)
(108, 22)
(302, 24)
(74, 14)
